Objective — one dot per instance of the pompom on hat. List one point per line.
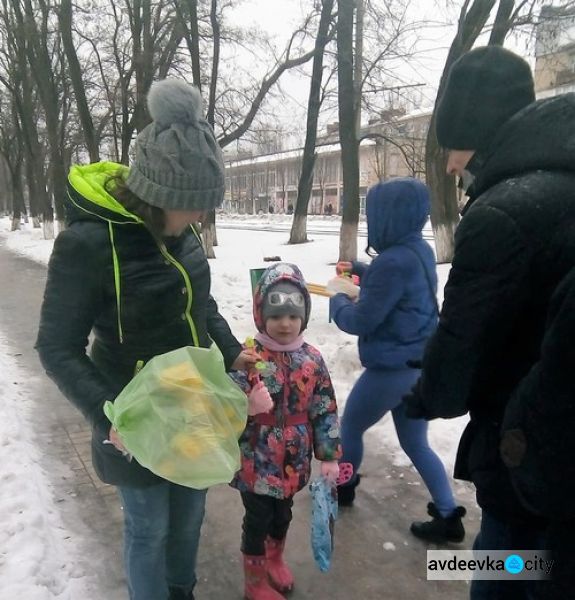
(485, 88)
(178, 164)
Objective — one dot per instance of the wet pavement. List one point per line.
(375, 555)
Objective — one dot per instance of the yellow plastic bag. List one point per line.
(181, 417)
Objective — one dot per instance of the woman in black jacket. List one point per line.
(130, 269)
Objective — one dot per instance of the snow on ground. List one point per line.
(35, 548)
(32, 540)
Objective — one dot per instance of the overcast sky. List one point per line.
(281, 17)
(431, 43)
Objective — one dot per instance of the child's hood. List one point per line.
(396, 211)
(272, 275)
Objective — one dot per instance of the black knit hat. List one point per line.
(485, 87)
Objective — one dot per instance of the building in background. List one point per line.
(555, 52)
(392, 145)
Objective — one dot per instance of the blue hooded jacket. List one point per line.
(396, 310)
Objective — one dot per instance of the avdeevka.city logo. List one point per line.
(514, 564)
(488, 564)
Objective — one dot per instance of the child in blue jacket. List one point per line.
(393, 315)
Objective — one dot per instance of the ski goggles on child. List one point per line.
(282, 298)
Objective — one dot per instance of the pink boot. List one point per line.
(256, 577)
(278, 571)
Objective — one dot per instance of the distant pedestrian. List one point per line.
(393, 316)
(293, 413)
(131, 270)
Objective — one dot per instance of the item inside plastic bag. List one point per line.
(323, 517)
(181, 417)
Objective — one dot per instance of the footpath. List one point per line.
(375, 556)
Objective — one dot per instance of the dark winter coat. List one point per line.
(513, 247)
(139, 297)
(538, 441)
(396, 311)
(276, 455)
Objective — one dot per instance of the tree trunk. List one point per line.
(41, 68)
(210, 116)
(348, 240)
(209, 225)
(444, 214)
(75, 70)
(48, 228)
(347, 132)
(299, 229)
(25, 105)
(444, 209)
(18, 205)
(502, 23)
(298, 233)
(208, 234)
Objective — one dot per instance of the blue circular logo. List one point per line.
(514, 564)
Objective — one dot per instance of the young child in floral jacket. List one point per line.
(292, 411)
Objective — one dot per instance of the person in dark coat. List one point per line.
(513, 247)
(131, 270)
(537, 442)
(393, 316)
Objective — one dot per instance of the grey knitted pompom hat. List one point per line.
(178, 164)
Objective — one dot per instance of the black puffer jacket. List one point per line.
(512, 249)
(140, 298)
(538, 441)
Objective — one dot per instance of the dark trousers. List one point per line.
(499, 535)
(264, 516)
(560, 544)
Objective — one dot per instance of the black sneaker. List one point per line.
(440, 530)
(346, 493)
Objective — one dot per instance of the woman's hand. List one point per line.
(245, 360)
(343, 285)
(116, 441)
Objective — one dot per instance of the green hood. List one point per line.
(88, 198)
(89, 201)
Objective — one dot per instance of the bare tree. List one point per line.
(347, 131)
(17, 79)
(233, 110)
(11, 161)
(42, 50)
(473, 18)
(75, 72)
(298, 233)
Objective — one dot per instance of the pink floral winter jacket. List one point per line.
(276, 447)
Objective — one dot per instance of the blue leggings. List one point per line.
(375, 393)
